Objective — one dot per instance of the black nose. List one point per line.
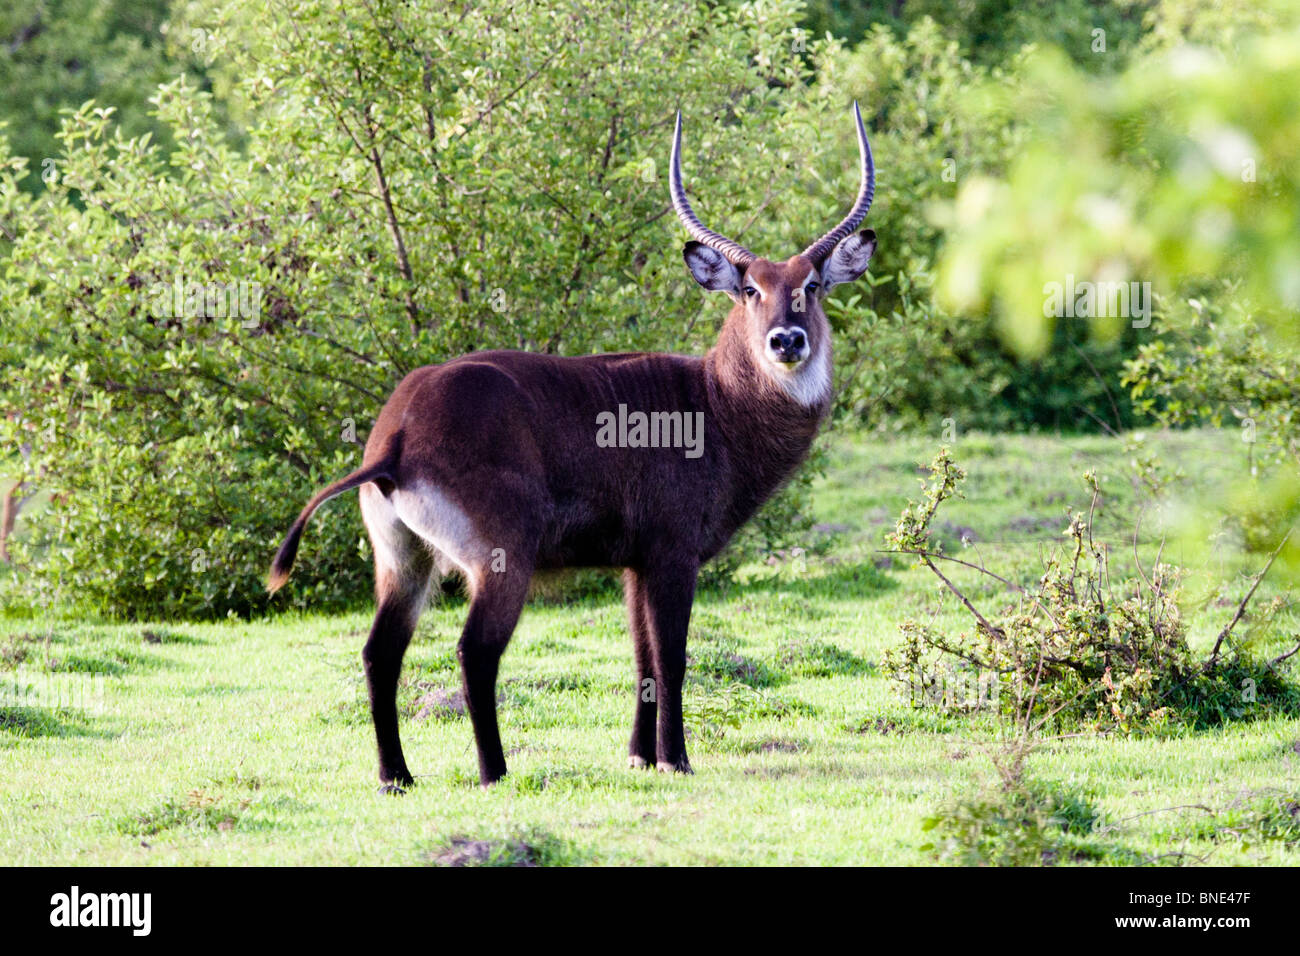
(788, 346)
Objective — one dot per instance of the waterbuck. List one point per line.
(499, 464)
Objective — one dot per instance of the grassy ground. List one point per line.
(249, 743)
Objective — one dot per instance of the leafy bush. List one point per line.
(417, 183)
(1080, 650)
(1212, 362)
(1030, 823)
(992, 31)
(56, 54)
(942, 121)
(709, 711)
(1176, 171)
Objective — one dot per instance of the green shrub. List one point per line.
(943, 121)
(382, 214)
(1079, 649)
(1028, 824)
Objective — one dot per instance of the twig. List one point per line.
(1137, 528)
(1176, 853)
(1119, 422)
(925, 555)
(1099, 421)
(399, 244)
(1147, 813)
(948, 557)
(1241, 608)
(996, 631)
(1280, 659)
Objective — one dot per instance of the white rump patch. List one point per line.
(389, 538)
(437, 519)
(393, 543)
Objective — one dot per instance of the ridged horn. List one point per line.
(736, 254)
(819, 249)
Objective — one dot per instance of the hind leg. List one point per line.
(403, 567)
(496, 554)
(493, 612)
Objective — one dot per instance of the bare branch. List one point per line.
(1279, 659)
(991, 629)
(1241, 608)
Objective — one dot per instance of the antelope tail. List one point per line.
(283, 562)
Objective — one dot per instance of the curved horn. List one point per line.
(736, 254)
(818, 250)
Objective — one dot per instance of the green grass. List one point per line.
(249, 742)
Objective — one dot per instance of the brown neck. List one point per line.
(767, 432)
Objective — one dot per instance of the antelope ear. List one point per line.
(848, 260)
(712, 269)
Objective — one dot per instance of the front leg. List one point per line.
(669, 593)
(641, 748)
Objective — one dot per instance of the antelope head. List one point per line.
(778, 313)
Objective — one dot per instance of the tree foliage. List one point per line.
(1180, 173)
(418, 182)
(57, 54)
(209, 298)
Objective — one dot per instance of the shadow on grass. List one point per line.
(62, 652)
(160, 635)
(838, 581)
(108, 662)
(33, 722)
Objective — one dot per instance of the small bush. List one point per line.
(1254, 818)
(526, 848)
(1027, 824)
(821, 659)
(710, 712)
(1079, 649)
(725, 664)
(197, 810)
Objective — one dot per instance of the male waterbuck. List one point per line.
(498, 464)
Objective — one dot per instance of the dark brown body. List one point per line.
(511, 439)
(488, 439)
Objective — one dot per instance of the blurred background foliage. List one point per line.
(408, 182)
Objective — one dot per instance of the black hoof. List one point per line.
(487, 780)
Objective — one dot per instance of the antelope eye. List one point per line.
(750, 291)
(811, 287)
